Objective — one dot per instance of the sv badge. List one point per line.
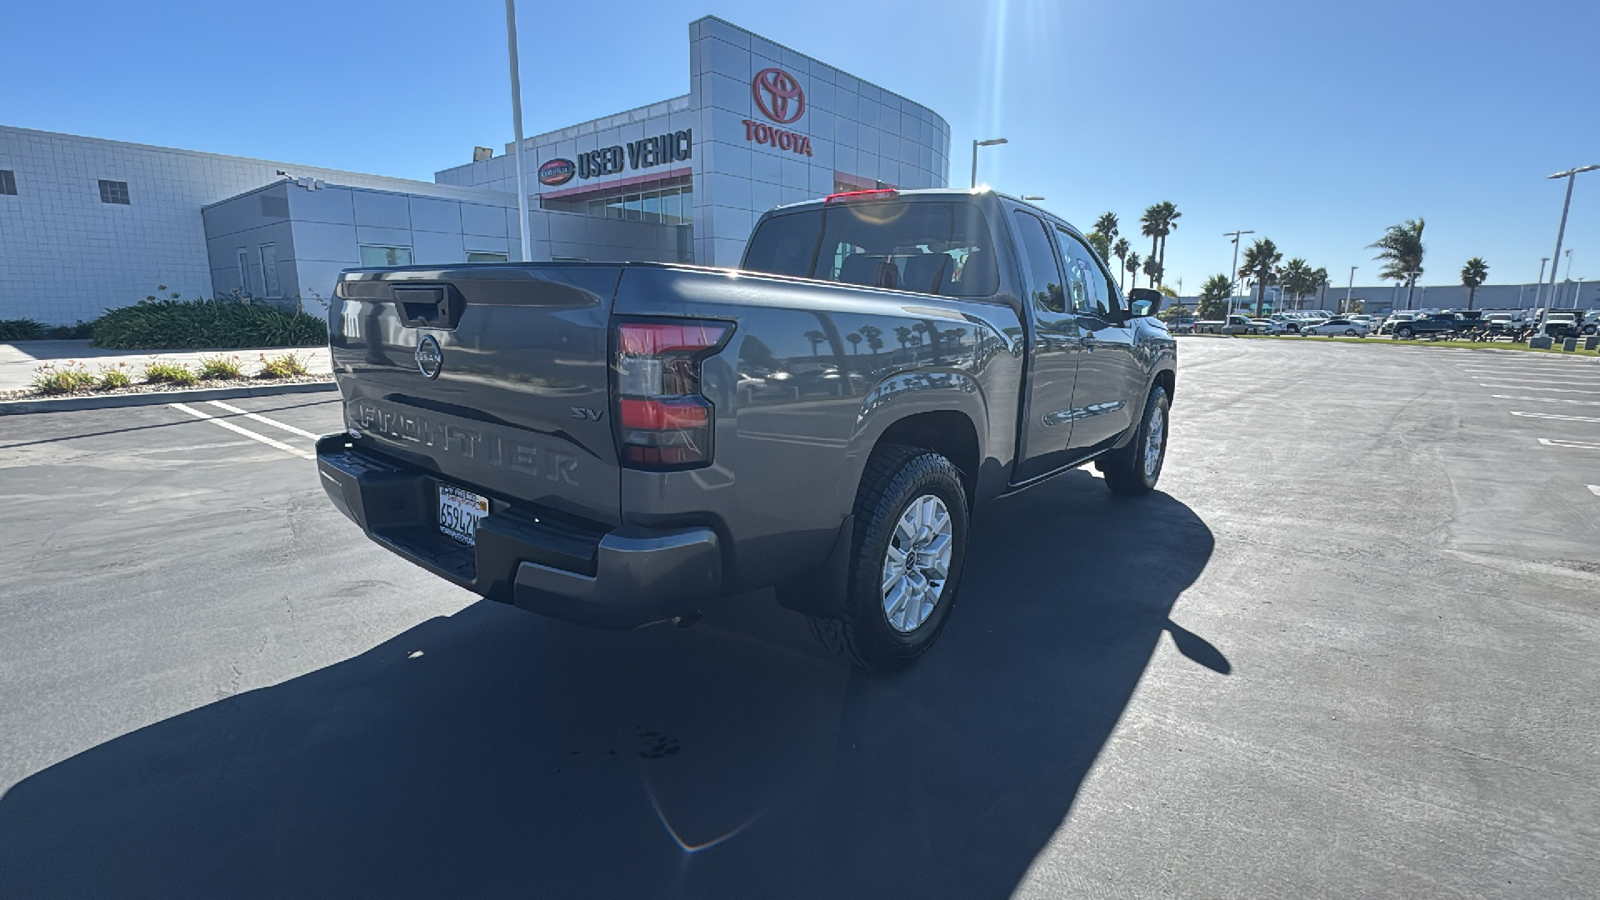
(587, 414)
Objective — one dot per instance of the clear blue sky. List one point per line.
(1315, 124)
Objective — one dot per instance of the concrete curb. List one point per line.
(150, 398)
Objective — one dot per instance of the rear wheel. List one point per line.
(1134, 469)
(909, 544)
(1403, 333)
(1349, 332)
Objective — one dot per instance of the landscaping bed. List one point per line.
(75, 379)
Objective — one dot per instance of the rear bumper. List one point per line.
(621, 578)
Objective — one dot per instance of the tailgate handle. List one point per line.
(435, 306)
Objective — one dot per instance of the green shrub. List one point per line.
(159, 372)
(286, 366)
(63, 379)
(81, 331)
(21, 330)
(221, 367)
(114, 377)
(179, 324)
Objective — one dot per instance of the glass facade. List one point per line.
(374, 255)
(668, 202)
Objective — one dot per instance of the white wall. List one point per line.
(65, 255)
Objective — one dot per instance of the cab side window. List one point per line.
(1044, 276)
(1086, 286)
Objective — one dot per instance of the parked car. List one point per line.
(577, 439)
(1434, 324)
(1269, 326)
(1591, 322)
(1344, 327)
(1394, 320)
(1560, 325)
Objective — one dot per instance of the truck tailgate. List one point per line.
(493, 376)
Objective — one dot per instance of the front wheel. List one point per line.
(1349, 332)
(1134, 469)
(909, 544)
(1403, 334)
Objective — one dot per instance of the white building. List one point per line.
(89, 224)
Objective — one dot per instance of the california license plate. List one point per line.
(459, 512)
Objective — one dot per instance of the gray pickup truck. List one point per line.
(619, 444)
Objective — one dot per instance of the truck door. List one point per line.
(1053, 358)
(1104, 396)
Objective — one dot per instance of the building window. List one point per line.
(269, 268)
(669, 201)
(486, 257)
(374, 256)
(8, 182)
(244, 271)
(114, 192)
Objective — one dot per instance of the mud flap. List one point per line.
(821, 591)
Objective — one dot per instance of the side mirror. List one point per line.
(1144, 302)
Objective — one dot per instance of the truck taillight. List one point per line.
(663, 420)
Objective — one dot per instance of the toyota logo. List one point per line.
(430, 359)
(779, 95)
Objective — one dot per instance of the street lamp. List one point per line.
(975, 145)
(1571, 175)
(1233, 273)
(516, 127)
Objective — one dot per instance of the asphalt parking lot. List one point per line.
(1348, 650)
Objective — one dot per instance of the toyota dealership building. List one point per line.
(89, 224)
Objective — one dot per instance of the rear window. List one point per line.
(928, 247)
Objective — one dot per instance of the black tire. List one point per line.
(1124, 467)
(895, 476)
(1350, 332)
(1403, 334)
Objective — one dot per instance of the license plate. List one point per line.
(459, 512)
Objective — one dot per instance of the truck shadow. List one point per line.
(493, 753)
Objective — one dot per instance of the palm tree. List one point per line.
(1474, 273)
(1100, 243)
(903, 335)
(1152, 270)
(1150, 227)
(1215, 295)
(1261, 262)
(1120, 251)
(1107, 225)
(1319, 282)
(1168, 214)
(1132, 265)
(1400, 250)
(815, 337)
(1296, 277)
(855, 342)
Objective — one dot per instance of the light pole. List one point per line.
(1348, 288)
(516, 127)
(1571, 175)
(1233, 273)
(975, 145)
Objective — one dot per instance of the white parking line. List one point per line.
(1571, 445)
(273, 422)
(1546, 400)
(1595, 489)
(1534, 387)
(244, 431)
(1536, 379)
(1534, 415)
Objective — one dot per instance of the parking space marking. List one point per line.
(1546, 400)
(244, 431)
(1539, 379)
(1571, 445)
(260, 418)
(1534, 387)
(1534, 415)
(1595, 489)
